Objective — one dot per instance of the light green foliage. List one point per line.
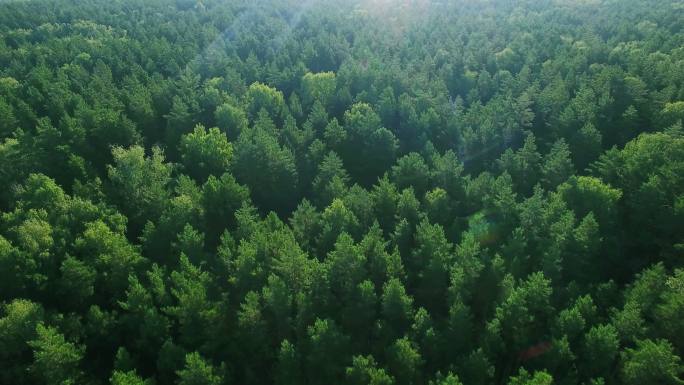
(557, 166)
(449, 379)
(404, 362)
(364, 371)
(197, 372)
(139, 182)
(331, 181)
(671, 114)
(111, 255)
(56, 361)
(205, 152)
(18, 326)
(18, 321)
(651, 362)
(260, 96)
(526, 378)
(588, 194)
(318, 87)
(335, 220)
(231, 120)
(127, 378)
(649, 170)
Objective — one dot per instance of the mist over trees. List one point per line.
(371, 192)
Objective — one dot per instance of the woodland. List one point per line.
(352, 192)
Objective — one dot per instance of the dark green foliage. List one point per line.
(220, 199)
(266, 168)
(369, 149)
(341, 192)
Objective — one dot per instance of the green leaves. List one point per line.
(328, 352)
(397, 307)
(111, 254)
(526, 378)
(205, 153)
(220, 199)
(56, 361)
(139, 183)
(18, 326)
(364, 371)
(331, 181)
(601, 345)
(369, 148)
(197, 372)
(557, 166)
(651, 362)
(361, 193)
(267, 169)
(127, 378)
(78, 280)
(318, 87)
(260, 96)
(288, 369)
(231, 120)
(404, 362)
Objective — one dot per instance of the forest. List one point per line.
(342, 192)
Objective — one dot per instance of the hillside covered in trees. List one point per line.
(352, 192)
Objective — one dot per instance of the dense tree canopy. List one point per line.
(361, 192)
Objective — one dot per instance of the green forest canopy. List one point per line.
(371, 192)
